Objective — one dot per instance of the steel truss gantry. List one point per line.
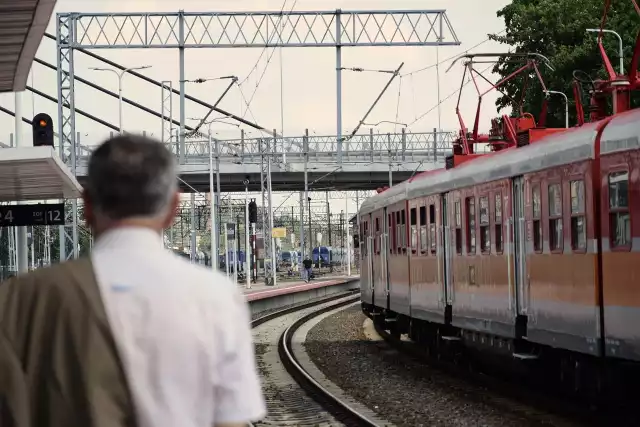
(183, 30)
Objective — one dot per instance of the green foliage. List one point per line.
(557, 30)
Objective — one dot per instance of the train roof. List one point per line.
(395, 194)
(622, 133)
(557, 149)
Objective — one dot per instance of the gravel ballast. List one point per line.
(406, 392)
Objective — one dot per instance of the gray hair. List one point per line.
(131, 176)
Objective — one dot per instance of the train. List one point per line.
(530, 252)
(327, 256)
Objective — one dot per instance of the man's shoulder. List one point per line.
(51, 286)
(48, 276)
(206, 278)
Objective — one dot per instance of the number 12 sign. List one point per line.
(24, 215)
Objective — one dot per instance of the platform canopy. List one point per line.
(22, 26)
(35, 173)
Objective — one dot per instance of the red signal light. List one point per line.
(43, 123)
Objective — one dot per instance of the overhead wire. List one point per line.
(255, 66)
(264, 71)
(455, 92)
(395, 127)
(451, 58)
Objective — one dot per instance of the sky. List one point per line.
(308, 74)
(307, 98)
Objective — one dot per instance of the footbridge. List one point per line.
(368, 161)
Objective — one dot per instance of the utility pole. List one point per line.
(310, 235)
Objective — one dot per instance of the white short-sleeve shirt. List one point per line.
(183, 333)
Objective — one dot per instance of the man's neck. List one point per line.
(151, 225)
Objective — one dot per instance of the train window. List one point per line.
(414, 230)
(498, 222)
(555, 217)
(391, 237)
(458, 219)
(578, 223)
(398, 232)
(432, 228)
(485, 239)
(537, 221)
(423, 229)
(619, 218)
(471, 225)
(403, 217)
(365, 233)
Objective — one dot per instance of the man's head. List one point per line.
(131, 181)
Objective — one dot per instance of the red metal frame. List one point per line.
(617, 86)
(504, 134)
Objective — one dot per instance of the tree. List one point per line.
(557, 30)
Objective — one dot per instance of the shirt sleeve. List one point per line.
(238, 394)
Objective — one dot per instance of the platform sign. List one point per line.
(24, 215)
(279, 233)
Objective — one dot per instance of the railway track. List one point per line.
(293, 397)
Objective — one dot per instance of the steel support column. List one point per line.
(66, 126)
(305, 144)
(182, 86)
(166, 110)
(338, 88)
(21, 243)
(192, 238)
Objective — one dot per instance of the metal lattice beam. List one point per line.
(182, 30)
(267, 209)
(262, 29)
(67, 132)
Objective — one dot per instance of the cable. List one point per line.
(395, 127)
(428, 67)
(438, 83)
(264, 71)
(445, 99)
(248, 107)
(255, 66)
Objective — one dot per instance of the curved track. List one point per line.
(293, 397)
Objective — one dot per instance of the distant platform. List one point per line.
(35, 173)
(260, 291)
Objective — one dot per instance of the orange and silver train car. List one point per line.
(529, 251)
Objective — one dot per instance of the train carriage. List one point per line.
(619, 191)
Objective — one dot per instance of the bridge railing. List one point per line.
(426, 147)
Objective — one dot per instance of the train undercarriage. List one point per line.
(585, 378)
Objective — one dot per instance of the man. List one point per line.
(307, 264)
(134, 335)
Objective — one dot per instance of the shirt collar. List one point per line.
(129, 237)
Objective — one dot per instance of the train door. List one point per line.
(445, 252)
(379, 259)
(518, 226)
(386, 248)
(366, 257)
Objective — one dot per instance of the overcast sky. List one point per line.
(308, 74)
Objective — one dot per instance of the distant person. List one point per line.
(307, 264)
(133, 335)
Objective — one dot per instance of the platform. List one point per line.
(261, 297)
(35, 173)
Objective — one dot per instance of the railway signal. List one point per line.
(42, 125)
